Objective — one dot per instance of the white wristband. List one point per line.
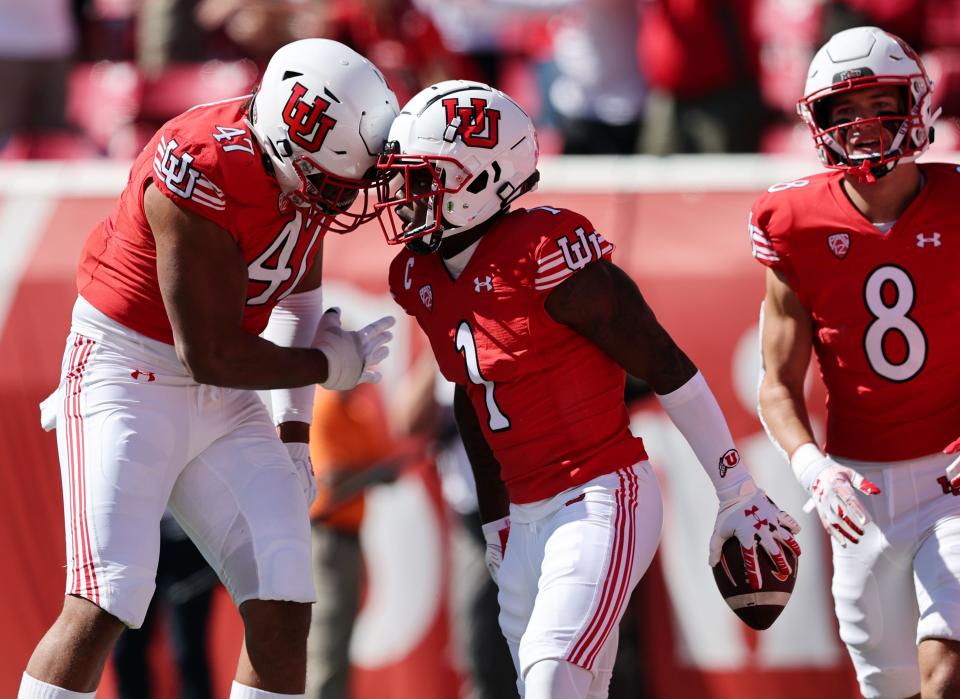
(694, 410)
(293, 323)
(807, 462)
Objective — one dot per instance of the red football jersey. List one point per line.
(885, 306)
(549, 400)
(207, 161)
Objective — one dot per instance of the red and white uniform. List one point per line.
(550, 401)
(136, 433)
(885, 308)
(207, 161)
(585, 506)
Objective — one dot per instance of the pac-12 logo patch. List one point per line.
(426, 296)
(730, 459)
(839, 244)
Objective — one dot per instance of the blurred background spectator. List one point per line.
(37, 41)
(598, 76)
(424, 406)
(185, 585)
(351, 450)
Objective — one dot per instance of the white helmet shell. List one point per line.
(321, 109)
(865, 57)
(482, 145)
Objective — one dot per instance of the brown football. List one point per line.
(758, 609)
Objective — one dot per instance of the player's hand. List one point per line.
(834, 490)
(496, 533)
(748, 514)
(953, 468)
(300, 455)
(352, 355)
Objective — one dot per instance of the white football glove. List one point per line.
(352, 354)
(953, 468)
(300, 455)
(496, 533)
(833, 489)
(748, 514)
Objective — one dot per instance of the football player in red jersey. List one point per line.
(217, 233)
(529, 317)
(862, 268)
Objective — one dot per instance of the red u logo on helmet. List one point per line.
(479, 125)
(307, 124)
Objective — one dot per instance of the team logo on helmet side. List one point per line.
(307, 124)
(839, 244)
(478, 126)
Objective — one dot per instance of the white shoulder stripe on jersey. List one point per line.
(565, 272)
(548, 258)
(544, 287)
(550, 265)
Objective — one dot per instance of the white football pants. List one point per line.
(137, 435)
(570, 565)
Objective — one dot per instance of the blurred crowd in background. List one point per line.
(94, 78)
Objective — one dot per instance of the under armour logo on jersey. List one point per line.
(730, 459)
(143, 376)
(934, 240)
(477, 125)
(307, 124)
(485, 283)
(175, 171)
(578, 253)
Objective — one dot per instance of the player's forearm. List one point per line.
(694, 410)
(783, 413)
(293, 323)
(248, 361)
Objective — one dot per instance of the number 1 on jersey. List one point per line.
(496, 420)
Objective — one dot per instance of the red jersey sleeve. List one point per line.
(567, 243)
(769, 225)
(186, 169)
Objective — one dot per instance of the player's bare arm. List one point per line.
(786, 342)
(203, 280)
(602, 303)
(492, 499)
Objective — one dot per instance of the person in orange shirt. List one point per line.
(351, 449)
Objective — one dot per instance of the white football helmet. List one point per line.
(322, 113)
(458, 153)
(867, 57)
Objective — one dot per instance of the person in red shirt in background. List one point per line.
(701, 62)
(862, 269)
(351, 449)
(529, 317)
